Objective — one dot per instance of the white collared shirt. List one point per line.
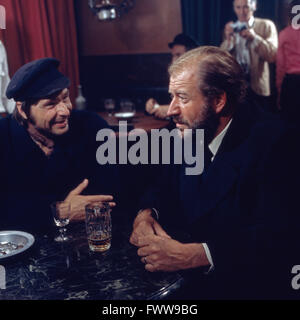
(242, 50)
(216, 142)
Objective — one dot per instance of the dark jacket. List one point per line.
(244, 207)
(30, 181)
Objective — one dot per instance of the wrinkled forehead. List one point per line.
(188, 75)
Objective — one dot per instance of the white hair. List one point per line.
(252, 4)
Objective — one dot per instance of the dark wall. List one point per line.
(135, 77)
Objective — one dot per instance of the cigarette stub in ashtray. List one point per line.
(2, 278)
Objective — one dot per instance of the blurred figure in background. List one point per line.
(181, 44)
(6, 105)
(288, 67)
(253, 42)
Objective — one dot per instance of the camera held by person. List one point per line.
(239, 27)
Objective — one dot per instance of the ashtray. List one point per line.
(14, 242)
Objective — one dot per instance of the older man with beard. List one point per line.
(48, 151)
(237, 218)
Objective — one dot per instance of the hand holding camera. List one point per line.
(228, 31)
(239, 26)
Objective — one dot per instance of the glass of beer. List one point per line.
(98, 226)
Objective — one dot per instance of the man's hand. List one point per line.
(78, 201)
(248, 34)
(165, 254)
(228, 31)
(151, 105)
(161, 112)
(145, 225)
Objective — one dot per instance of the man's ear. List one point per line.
(20, 110)
(220, 102)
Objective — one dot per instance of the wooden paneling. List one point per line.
(147, 28)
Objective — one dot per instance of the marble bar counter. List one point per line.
(53, 271)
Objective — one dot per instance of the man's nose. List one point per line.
(63, 109)
(174, 108)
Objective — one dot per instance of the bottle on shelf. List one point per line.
(80, 101)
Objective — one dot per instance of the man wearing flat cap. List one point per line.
(48, 151)
(180, 44)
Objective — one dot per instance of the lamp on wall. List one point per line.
(107, 10)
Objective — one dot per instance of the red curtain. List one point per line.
(41, 28)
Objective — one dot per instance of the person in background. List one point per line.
(48, 151)
(181, 44)
(253, 42)
(288, 68)
(233, 230)
(6, 105)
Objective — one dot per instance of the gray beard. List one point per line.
(209, 121)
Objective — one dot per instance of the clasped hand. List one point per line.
(163, 253)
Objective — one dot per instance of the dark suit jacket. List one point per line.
(29, 181)
(244, 208)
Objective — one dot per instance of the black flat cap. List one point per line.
(184, 40)
(36, 80)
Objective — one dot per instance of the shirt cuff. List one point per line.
(209, 258)
(154, 213)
